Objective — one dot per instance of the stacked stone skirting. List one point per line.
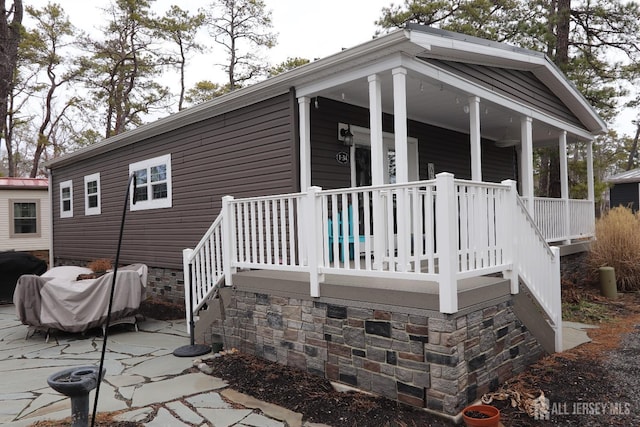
(162, 283)
(423, 358)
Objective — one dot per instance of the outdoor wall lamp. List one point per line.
(344, 134)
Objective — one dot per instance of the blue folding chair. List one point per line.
(341, 240)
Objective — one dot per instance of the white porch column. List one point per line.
(186, 268)
(446, 238)
(400, 123)
(375, 119)
(474, 137)
(590, 189)
(564, 183)
(305, 142)
(402, 160)
(314, 226)
(228, 240)
(526, 138)
(377, 169)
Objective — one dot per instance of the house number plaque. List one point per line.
(342, 158)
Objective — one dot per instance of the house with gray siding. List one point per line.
(368, 217)
(625, 189)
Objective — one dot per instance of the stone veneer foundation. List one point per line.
(162, 283)
(424, 358)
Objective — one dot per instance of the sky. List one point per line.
(306, 28)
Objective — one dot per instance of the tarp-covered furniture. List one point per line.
(57, 300)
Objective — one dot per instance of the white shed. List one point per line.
(25, 223)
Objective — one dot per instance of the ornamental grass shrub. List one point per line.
(617, 245)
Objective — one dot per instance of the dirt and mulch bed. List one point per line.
(580, 387)
(155, 308)
(102, 420)
(314, 396)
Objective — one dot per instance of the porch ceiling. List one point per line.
(432, 102)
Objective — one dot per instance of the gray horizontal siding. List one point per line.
(520, 85)
(625, 195)
(243, 153)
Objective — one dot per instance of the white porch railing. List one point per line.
(203, 267)
(563, 220)
(538, 265)
(441, 230)
(582, 219)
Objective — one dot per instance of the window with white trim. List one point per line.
(25, 221)
(92, 194)
(153, 183)
(66, 199)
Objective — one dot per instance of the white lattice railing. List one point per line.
(441, 230)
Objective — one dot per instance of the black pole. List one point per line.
(113, 287)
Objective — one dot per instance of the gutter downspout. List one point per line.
(50, 185)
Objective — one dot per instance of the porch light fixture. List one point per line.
(507, 140)
(344, 134)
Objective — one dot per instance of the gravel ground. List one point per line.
(622, 366)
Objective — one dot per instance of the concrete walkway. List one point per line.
(144, 380)
(575, 334)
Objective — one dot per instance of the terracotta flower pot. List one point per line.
(481, 416)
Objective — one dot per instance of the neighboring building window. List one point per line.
(24, 218)
(66, 199)
(92, 194)
(153, 183)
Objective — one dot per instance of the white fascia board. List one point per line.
(471, 88)
(560, 82)
(519, 59)
(392, 61)
(508, 56)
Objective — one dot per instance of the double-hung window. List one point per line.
(66, 199)
(153, 183)
(92, 194)
(24, 218)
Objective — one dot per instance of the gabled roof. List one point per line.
(24, 183)
(460, 47)
(625, 177)
(414, 41)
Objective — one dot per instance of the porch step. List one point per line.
(210, 319)
(534, 318)
(418, 294)
(574, 247)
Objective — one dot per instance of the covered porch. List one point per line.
(438, 237)
(416, 165)
(407, 116)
